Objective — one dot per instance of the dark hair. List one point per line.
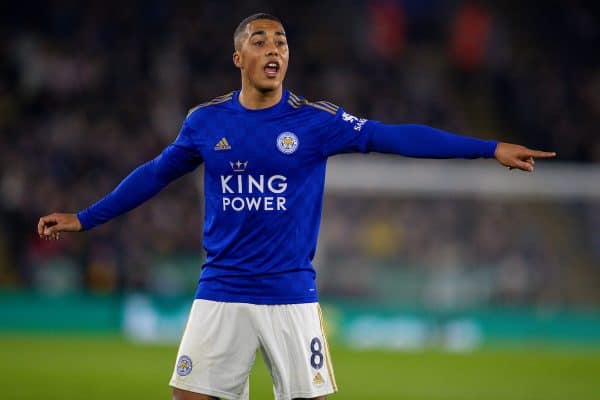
(242, 26)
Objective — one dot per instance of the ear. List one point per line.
(237, 59)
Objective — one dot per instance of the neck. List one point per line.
(254, 99)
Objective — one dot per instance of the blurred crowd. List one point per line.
(89, 91)
(457, 251)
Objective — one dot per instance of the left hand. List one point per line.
(516, 156)
(50, 226)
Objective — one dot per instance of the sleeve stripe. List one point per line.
(216, 100)
(295, 98)
(321, 107)
(327, 103)
(297, 102)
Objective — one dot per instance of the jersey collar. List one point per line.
(274, 109)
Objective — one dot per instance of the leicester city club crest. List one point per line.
(184, 366)
(287, 142)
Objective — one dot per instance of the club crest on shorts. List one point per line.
(184, 366)
(287, 142)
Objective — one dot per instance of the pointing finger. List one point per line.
(541, 154)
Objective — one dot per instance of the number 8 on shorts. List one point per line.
(316, 357)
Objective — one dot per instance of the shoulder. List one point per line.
(321, 106)
(209, 105)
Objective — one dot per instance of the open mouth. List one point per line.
(271, 69)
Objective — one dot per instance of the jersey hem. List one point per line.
(228, 298)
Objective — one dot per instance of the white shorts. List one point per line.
(220, 341)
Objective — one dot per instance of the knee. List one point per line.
(179, 394)
(315, 398)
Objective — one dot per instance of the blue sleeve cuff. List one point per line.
(81, 215)
(491, 149)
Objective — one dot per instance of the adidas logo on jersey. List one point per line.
(223, 144)
(318, 379)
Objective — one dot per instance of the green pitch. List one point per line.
(46, 367)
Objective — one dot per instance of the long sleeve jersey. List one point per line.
(264, 177)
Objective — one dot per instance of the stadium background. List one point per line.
(447, 281)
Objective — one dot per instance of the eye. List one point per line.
(259, 43)
(281, 43)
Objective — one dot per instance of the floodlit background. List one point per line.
(439, 279)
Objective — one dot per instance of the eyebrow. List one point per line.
(278, 33)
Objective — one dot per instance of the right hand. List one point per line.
(520, 157)
(50, 226)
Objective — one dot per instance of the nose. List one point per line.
(272, 49)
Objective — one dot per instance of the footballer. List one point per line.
(264, 151)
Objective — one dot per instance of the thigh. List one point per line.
(217, 350)
(294, 346)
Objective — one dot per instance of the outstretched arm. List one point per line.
(426, 142)
(143, 183)
(346, 133)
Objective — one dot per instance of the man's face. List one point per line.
(262, 54)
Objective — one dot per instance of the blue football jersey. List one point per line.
(263, 181)
(264, 175)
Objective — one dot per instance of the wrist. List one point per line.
(79, 225)
(81, 222)
(494, 145)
